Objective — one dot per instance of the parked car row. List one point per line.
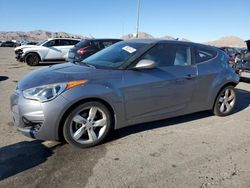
(15, 43)
(61, 49)
(239, 58)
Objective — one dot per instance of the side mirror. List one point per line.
(145, 64)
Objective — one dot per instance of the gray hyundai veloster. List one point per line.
(130, 82)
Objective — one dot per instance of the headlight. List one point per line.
(49, 92)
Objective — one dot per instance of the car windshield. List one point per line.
(115, 55)
(39, 43)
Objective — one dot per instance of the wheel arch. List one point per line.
(32, 52)
(221, 88)
(70, 108)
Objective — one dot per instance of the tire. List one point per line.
(87, 125)
(225, 101)
(32, 59)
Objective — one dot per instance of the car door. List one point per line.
(53, 50)
(168, 88)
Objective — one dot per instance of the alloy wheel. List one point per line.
(88, 125)
(226, 100)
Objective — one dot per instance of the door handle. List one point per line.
(190, 76)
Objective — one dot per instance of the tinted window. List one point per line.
(65, 43)
(96, 44)
(73, 42)
(52, 43)
(204, 55)
(107, 43)
(169, 55)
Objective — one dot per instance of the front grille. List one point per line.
(18, 51)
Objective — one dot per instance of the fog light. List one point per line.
(31, 124)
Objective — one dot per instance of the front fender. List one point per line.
(106, 93)
(27, 51)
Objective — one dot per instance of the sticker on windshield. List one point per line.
(129, 49)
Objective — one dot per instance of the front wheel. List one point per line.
(87, 125)
(225, 101)
(32, 59)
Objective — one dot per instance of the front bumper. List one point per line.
(19, 55)
(35, 119)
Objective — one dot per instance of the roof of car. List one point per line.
(94, 39)
(64, 38)
(149, 41)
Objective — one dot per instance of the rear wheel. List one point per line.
(225, 101)
(87, 125)
(32, 59)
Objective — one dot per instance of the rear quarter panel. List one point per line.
(213, 75)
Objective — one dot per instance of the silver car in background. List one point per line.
(130, 82)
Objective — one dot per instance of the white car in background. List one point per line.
(54, 49)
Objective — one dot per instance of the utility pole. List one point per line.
(138, 18)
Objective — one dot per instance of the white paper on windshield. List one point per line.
(129, 49)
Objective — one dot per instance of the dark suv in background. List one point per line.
(88, 47)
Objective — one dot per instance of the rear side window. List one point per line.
(73, 42)
(64, 42)
(203, 54)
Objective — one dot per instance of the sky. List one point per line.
(196, 20)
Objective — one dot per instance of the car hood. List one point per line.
(66, 72)
(25, 46)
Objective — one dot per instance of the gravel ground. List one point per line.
(197, 150)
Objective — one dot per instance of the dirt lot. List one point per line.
(197, 150)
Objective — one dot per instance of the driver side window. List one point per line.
(51, 43)
(165, 55)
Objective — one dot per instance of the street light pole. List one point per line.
(138, 18)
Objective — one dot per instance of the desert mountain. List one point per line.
(141, 35)
(231, 41)
(40, 35)
(37, 35)
(168, 38)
